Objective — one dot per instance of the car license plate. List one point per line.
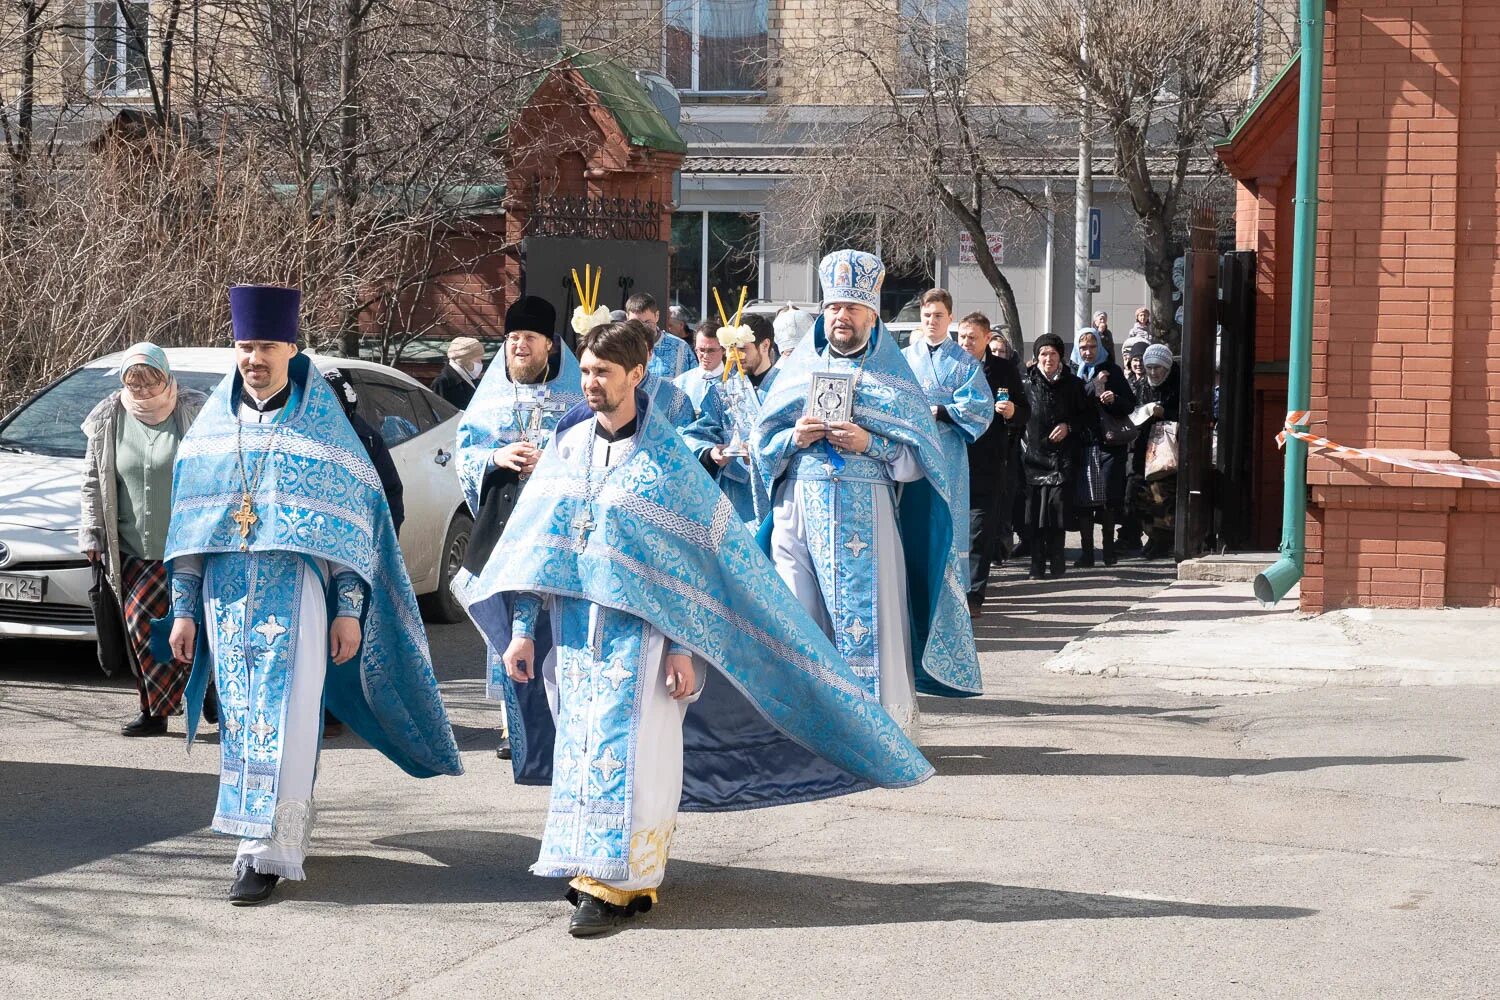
(22, 588)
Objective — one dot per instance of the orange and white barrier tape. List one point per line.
(1296, 426)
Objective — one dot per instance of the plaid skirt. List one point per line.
(146, 596)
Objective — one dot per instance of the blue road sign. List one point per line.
(1096, 233)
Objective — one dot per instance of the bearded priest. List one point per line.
(500, 441)
(288, 585)
(679, 672)
(861, 493)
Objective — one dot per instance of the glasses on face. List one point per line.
(144, 388)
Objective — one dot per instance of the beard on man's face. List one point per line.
(847, 334)
(526, 370)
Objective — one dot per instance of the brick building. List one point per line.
(1406, 350)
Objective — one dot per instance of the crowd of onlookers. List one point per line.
(1093, 451)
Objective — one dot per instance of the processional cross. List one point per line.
(583, 523)
(246, 519)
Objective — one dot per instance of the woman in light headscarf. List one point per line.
(1101, 473)
(133, 436)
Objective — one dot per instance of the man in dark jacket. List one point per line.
(1059, 412)
(380, 455)
(989, 455)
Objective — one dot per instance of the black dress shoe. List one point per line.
(211, 705)
(503, 750)
(1084, 562)
(146, 725)
(251, 887)
(594, 916)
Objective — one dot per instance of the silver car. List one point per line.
(44, 580)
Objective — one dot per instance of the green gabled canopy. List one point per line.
(1260, 99)
(625, 98)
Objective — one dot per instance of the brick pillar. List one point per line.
(1385, 321)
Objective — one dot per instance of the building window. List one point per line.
(715, 46)
(119, 39)
(934, 36)
(715, 250)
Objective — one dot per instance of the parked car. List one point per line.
(44, 579)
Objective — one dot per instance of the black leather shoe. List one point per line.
(251, 887)
(503, 750)
(146, 725)
(211, 705)
(594, 917)
(1084, 562)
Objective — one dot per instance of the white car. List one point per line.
(44, 580)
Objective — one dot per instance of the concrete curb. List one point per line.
(1203, 631)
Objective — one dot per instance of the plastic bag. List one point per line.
(1161, 450)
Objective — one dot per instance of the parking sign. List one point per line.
(1096, 233)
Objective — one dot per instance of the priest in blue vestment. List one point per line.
(960, 399)
(501, 437)
(670, 354)
(288, 585)
(677, 670)
(721, 435)
(695, 382)
(862, 492)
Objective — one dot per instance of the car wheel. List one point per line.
(441, 606)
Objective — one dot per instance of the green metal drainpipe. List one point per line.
(1272, 585)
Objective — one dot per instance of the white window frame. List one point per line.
(697, 49)
(118, 88)
(931, 9)
(705, 294)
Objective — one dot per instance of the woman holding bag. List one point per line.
(1101, 479)
(133, 436)
(1155, 498)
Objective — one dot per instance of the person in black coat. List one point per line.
(385, 468)
(1155, 502)
(989, 456)
(460, 376)
(1049, 445)
(1109, 393)
(375, 447)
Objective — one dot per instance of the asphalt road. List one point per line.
(1084, 837)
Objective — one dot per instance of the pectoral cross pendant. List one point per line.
(246, 519)
(583, 523)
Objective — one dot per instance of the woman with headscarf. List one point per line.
(133, 436)
(1129, 540)
(1155, 502)
(460, 376)
(1059, 414)
(1101, 471)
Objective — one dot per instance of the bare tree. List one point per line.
(1163, 79)
(925, 148)
(341, 145)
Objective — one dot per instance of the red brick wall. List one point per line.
(1406, 355)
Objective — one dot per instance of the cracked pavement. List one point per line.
(1085, 837)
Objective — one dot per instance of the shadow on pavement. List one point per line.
(1018, 709)
(959, 761)
(60, 816)
(476, 866)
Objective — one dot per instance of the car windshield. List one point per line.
(909, 313)
(51, 424)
